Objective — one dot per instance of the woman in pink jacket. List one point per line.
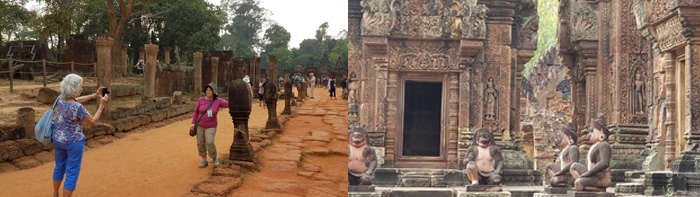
(206, 130)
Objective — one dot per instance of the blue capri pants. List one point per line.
(69, 157)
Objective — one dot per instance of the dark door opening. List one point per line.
(421, 125)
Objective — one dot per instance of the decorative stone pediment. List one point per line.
(424, 18)
(423, 56)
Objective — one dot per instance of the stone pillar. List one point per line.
(254, 74)
(197, 73)
(670, 122)
(689, 159)
(287, 98)
(150, 72)
(300, 94)
(240, 105)
(124, 69)
(271, 96)
(166, 54)
(104, 70)
(215, 70)
(25, 118)
(304, 87)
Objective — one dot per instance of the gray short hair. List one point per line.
(70, 86)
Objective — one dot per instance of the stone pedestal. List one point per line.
(483, 194)
(556, 190)
(589, 194)
(364, 194)
(166, 54)
(197, 74)
(25, 118)
(150, 72)
(215, 70)
(484, 188)
(360, 188)
(104, 70)
(240, 105)
(656, 182)
(287, 98)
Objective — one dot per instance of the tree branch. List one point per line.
(112, 17)
(126, 15)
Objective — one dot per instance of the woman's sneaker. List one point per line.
(204, 164)
(216, 163)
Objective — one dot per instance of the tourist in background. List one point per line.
(206, 129)
(312, 85)
(331, 87)
(344, 85)
(260, 93)
(139, 66)
(68, 138)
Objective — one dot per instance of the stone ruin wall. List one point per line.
(79, 50)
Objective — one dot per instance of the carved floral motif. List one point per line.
(670, 34)
(419, 56)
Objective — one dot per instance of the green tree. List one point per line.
(58, 21)
(181, 25)
(13, 18)
(247, 19)
(276, 36)
(284, 58)
(547, 32)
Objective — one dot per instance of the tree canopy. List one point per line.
(547, 33)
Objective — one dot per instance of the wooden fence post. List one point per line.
(72, 66)
(43, 66)
(11, 72)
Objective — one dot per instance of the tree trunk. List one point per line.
(117, 61)
(60, 41)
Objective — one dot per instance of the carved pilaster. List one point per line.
(670, 122)
(104, 69)
(197, 73)
(150, 71)
(453, 120)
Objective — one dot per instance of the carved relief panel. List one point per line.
(430, 56)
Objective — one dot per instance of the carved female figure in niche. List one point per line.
(491, 98)
(639, 96)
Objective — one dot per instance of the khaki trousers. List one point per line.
(205, 141)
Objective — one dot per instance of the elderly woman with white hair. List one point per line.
(68, 137)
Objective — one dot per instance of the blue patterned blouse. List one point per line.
(69, 122)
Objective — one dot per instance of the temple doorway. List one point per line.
(421, 136)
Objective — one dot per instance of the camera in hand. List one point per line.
(105, 91)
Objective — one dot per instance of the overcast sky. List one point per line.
(300, 17)
(303, 17)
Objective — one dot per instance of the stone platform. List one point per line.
(589, 194)
(484, 188)
(361, 188)
(556, 190)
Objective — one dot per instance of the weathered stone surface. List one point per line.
(10, 150)
(589, 194)
(327, 177)
(311, 168)
(483, 194)
(305, 174)
(244, 164)
(227, 171)
(255, 139)
(120, 135)
(29, 146)
(26, 162)
(281, 187)
(556, 190)
(93, 143)
(11, 132)
(320, 192)
(8, 167)
(218, 186)
(319, 151)
(282, 166)
(283, 157)
(47, 95)
(265, 142)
